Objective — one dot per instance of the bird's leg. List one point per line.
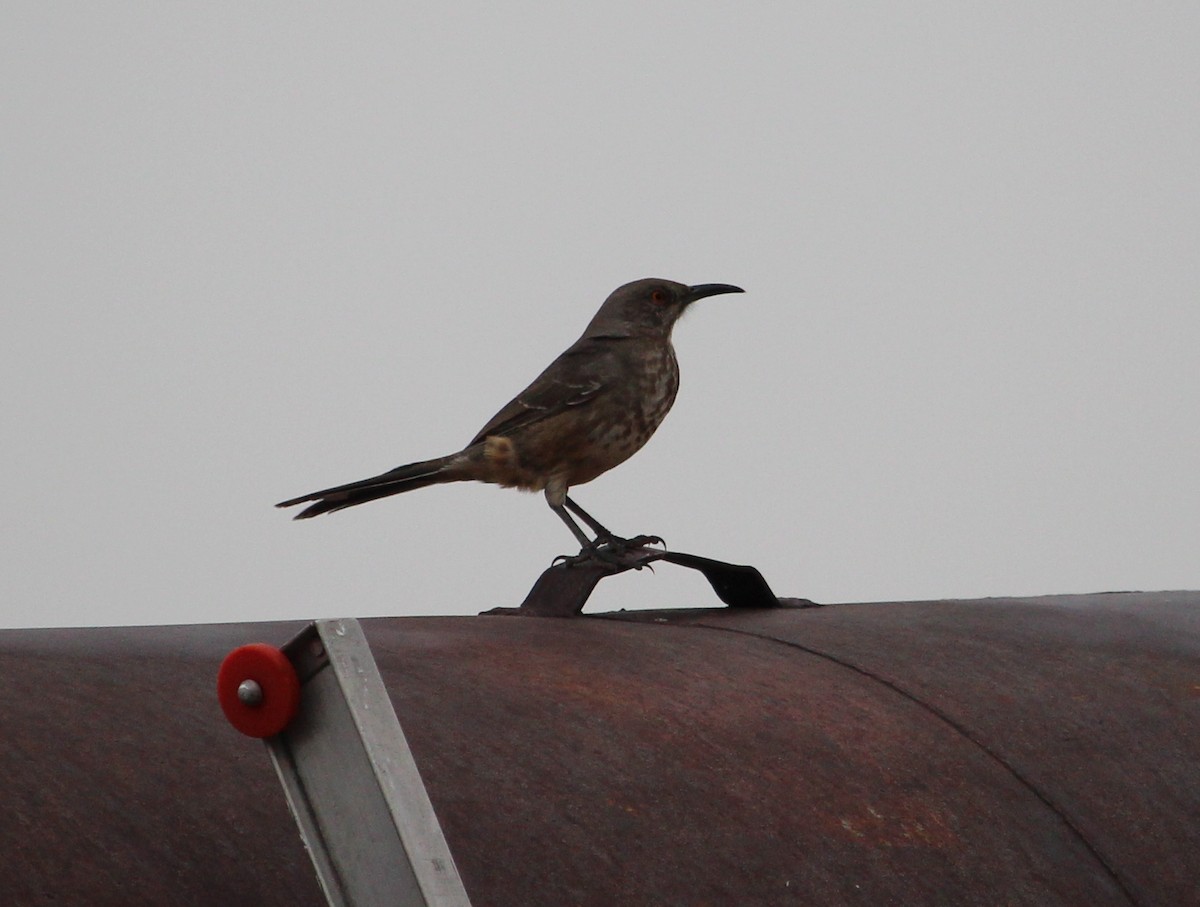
(579, 534)
(603, 536)
(605, 546)
(589, 549)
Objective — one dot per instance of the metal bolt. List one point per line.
(249, 693)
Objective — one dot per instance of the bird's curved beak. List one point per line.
(700, 290)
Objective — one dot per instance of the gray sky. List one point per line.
(256, 249)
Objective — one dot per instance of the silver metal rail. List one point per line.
(349, 776)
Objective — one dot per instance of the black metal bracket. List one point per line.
(563, 589)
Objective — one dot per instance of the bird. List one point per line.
(590, 410)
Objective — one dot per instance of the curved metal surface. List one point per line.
(122, 783)
(1027, 751)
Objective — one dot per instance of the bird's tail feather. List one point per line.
(394, 481)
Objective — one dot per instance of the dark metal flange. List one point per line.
(563, 588)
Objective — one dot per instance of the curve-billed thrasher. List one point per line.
(590, 410)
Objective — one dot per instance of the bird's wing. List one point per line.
(575, 378)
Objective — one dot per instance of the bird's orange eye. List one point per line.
(658, 296)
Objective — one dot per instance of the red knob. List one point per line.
(258, 690)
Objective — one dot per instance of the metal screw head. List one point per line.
(249, 693)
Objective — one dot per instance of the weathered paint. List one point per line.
(1034, 751)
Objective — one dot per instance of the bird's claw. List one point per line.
(609, 550)
(642, 541)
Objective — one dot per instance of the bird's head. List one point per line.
(650, 306)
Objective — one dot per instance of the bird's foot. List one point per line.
(638, 541)
(609, 549)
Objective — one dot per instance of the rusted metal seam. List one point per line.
(959, 728)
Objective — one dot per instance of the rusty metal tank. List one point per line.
(1003, 751)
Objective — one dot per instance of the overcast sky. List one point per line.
(254, 249)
